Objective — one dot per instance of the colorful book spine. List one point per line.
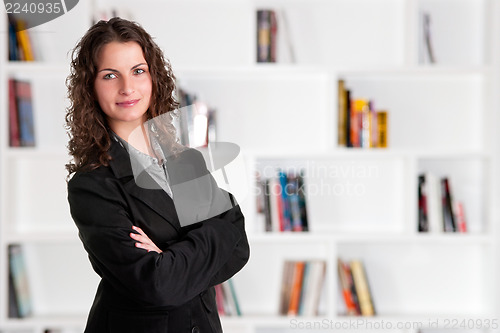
(19, 275)
(301, 288)
(14, 136)
(25, 113)
(346, 287)
(266, 35)
(281, 203)
(382, 124)
(362, 288)
(359, 123)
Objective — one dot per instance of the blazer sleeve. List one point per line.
(186, 268)
(241, 252)
(223, 205)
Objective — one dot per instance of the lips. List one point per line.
(128, 103)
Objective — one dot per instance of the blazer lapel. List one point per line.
(156, 199)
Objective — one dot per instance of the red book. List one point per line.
(219, 298)
(460, 217)
(346, 285)
(14, 139)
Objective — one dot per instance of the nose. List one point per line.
(127, 86)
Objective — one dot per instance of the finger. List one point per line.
(141, 239)
(148, 247)
(139, 230)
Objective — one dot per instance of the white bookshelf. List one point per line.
(442, 118)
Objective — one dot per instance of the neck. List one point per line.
(135, 136)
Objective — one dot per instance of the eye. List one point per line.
(109, 76)
(139, 71)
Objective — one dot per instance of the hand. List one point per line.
(143, 240)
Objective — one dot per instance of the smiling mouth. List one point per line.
(128, 103)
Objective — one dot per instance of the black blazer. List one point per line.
(147, 292)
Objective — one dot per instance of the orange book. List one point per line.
(298, 275)
(345, 284)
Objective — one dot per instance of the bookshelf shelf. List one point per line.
(394, 238)
(37, 67)
(69, 236)
(442, 119)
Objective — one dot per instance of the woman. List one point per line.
(157, 276)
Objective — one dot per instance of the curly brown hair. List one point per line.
(86, 123)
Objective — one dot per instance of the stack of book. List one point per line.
(356, 292)
(195, 121)
(301, 288)
(282, 202)
(359, 123)
(227, 301)
(438, 210)
(21, 127)
(20, 44)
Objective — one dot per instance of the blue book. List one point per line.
(287, 214)
(25, 113)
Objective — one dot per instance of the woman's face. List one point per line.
(123, 85)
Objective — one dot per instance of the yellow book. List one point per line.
(362, 290)
(24, 41)
(342, 113)
(382, 129)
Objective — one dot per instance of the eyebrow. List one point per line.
(114, 70)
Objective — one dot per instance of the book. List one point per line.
(227, 301)
(281, 201)
(13, 45)
(348, 118)
(285, 201)
(14, 136)
(342, 113)
(443, 212)
(298, 275)
(423, 225)
(314, 276)
(285, 50)
(363, 293)
(24, 105)
(232, 290)
(19, 276)
(433, 202)
(23, 41)
(382, 129)
(357, 106)
(346, 286)
(266, 35)
(219, 299)
(426, 49)
(195, 121)
(301, 287)
(13, 311)
(449, 224)
(460, 218)
(293, 196)
(286, 286)
(302, 201)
